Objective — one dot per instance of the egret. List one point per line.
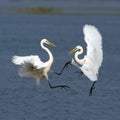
(91, 62)
(32, 66)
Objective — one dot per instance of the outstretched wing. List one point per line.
(93, 39)
(94, 56)
(30, 66)
(27, 69)
(33, 59)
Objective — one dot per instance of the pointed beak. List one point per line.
(51, 44)
(73, 50)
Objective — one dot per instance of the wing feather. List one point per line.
(90, 69)
(30, 66)
(33, 59)
(93, 39)
(29, 70)
(94, 56)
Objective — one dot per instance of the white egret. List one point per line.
(32, 66)
(92, 61)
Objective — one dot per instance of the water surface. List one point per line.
(20, 98)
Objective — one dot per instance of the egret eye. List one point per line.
(76, 49)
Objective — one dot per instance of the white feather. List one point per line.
(30, 66)
(93, 39)
(94, 56)
(33, 59)
(90, 69)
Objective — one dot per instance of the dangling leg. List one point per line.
(61, 86)
(92, 87)
(59, 73)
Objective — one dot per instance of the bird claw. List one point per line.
(57, 73)
(60, 86)
(65, 87)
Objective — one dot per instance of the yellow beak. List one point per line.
(73, 50)
(51, 44)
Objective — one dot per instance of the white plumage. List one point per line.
(29, 65)
(34, 59)
(93, 39)
(32, 66)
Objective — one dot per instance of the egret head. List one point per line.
(48, 42)
(77, 48)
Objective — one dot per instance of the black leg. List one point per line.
(61, 86)
(66, 64)
(92, 87)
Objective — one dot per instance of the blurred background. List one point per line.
(78, 7)
(23, 23)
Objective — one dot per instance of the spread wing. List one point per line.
(30, 66)
(32, 59)
(94, 56)
(93, 39)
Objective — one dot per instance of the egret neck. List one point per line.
(50, 61)
(79, 61)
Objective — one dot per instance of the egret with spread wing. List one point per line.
(32, 66)
(92, 61)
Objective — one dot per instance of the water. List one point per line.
(21, 99)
